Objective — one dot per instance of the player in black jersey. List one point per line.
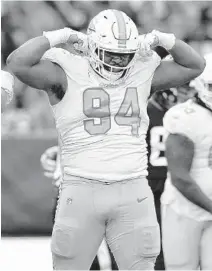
(161, 102)
(156, 135)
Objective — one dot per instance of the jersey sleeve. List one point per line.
(155, 60)
(145, 68)
(150, 63)
(70, 63)
(180, 119)
(56, 55)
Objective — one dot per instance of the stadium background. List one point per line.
(27, 125)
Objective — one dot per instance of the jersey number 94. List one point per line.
(96, 106)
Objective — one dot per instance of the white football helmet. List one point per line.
(203, 83)
(112, 35)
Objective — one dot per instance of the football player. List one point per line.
(159, 103)
(102, 123)
(187, 198)
(7, 85)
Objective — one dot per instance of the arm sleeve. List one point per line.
(74, 66)
(155, 61)
(56, 55)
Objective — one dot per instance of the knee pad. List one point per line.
(148, 241)
(63, 241)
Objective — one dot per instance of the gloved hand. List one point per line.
(48, 161)
(156, 38)
(74, 38)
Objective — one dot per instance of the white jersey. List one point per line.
(195, 122)
(102, 129)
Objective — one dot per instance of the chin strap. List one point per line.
(110, 75)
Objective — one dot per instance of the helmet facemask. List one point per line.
(110, 64)
(205, 82)
(204, 90)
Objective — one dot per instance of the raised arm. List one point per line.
(185, 66)
(25, 62)
(179, 154)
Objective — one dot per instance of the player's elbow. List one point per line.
(15, 66)
(12, 63)
(200, 66)
(11, 59)
(15, 62)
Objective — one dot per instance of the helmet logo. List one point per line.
(121, 29)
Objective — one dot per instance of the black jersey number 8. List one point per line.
(96, 106)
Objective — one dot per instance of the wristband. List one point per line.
(166, 41)
(59, 36)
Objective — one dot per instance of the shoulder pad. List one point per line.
(180, 119)
(74, 66)
(148, 64)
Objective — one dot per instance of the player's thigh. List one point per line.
(206, 247)
(180, 238)
(133, 235)
(77, 231)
